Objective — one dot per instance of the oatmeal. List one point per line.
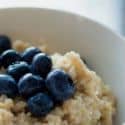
(92, 104)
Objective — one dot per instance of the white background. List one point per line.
(107, 12)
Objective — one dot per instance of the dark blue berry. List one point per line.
(8, 86)
(41, 64)
(40, 104)
(60, 85)
(18, 69)
(30, 84)
(10, 56)
(5, 43)
(29, 53)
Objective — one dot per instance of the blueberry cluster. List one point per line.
(30, 75)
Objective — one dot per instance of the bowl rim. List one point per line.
(78, 15)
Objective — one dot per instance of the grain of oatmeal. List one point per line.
(20, 45)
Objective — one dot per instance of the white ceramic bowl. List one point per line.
(103, 49)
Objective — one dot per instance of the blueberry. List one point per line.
(8, 85)
(29, 53)
(10, 56)
(5, 43)
(60, 85)
(18, 69)
(41, 64)
(40, 104)
(30, 84)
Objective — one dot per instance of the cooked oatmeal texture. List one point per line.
(92, 104)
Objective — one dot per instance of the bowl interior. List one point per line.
(102, 49)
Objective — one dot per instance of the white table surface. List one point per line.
(107, 12)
